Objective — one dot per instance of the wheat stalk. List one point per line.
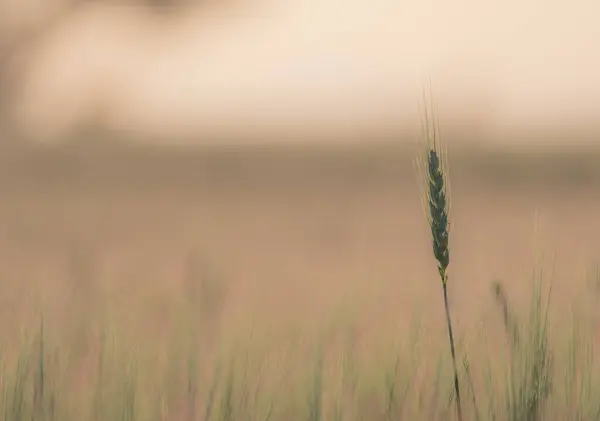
(436, 193)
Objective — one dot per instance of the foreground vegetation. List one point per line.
(101, 372)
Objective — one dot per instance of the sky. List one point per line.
(265, 68)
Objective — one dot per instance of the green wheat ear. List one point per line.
(438, 213)
(435, 189)
(435, 195)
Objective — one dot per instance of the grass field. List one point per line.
(289, 284)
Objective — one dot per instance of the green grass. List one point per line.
(532, 376)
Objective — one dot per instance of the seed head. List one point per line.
(438, 212)
(435, 191)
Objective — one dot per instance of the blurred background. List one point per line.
(212, 71)
(300, 208)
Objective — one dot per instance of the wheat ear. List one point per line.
(435, 189)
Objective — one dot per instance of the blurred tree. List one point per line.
(24, 25)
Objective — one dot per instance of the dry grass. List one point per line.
(184, 297)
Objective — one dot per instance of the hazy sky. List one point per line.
(270, 66)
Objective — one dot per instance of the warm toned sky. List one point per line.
(265, 66)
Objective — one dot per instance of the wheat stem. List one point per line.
(436, 195)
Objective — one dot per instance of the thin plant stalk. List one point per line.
(436, 194)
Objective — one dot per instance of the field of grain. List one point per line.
(287, 284)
